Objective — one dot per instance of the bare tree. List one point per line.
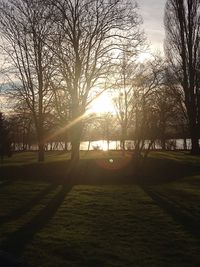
(148, 83)
(5, 143)
(25, 27)
(22, 127)
(182, 24)
(108, 125)
(61, 110)
(126, 72)
(177, 113)
(90, 34)
(170, 116)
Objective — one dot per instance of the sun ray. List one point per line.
(102, 104)
(66, 127)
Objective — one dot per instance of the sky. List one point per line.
(152, 12)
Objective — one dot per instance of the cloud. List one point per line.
(152, 12)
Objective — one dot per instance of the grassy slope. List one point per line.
(180, 157)
(160, 166)
(55, 156)
(109, 225)
(94, 226)
(92, 164)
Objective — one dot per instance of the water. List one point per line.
(171, 144)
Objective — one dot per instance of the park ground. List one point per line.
(105, 217)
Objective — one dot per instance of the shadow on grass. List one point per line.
(153, 172)
(17, 241)
(6, 182)
(179, 213)
(161, 171)
(104, 171)
(28, 206)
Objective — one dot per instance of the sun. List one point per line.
(144, 57)
(102, 104)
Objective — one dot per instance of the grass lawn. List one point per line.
(55, 156)
(53, 224)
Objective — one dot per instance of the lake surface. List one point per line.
(172, 144)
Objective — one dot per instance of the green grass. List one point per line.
(154, 222)
(183, 194)
(180, 157)
(56, 156)
(25, 165)
(106, 225)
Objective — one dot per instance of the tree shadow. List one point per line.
(17, 241)
(121, 171)
(179, 213)
(28, 206)
(4, 183)
(159, 171)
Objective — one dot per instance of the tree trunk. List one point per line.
(194, 132)
(75, 153)
(66, 140)
(75, 143)
(66, 145)
(41, 152)
(163, 144)
(108, 144)
(123, 139)
(195, 146)
(40, 141)
(195, 150)
(185, 143)
(89, 142)
(122, 145)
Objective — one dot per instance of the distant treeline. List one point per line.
(62, 55)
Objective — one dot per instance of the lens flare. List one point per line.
(113, 164)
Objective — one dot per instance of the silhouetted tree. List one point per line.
(147, 85)
(5, 143)
(126, 71)
(25, 27)
(22, 133)
(182, 46)
(169, 114)
(89, 35)
(177, 113)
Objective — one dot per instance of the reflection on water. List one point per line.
(105, 145)
(171, 144)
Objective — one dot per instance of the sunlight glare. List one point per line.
(144, 57)
(105, 146)
(102, 104)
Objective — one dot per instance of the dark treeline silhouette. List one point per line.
(182, 20)
(63, 54)
(5, 140)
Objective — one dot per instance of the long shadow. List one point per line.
(190, 223)
(17, 241)
(6, 182)
(28, 206)
(159, 171)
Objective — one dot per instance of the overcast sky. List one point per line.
(152, 12)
